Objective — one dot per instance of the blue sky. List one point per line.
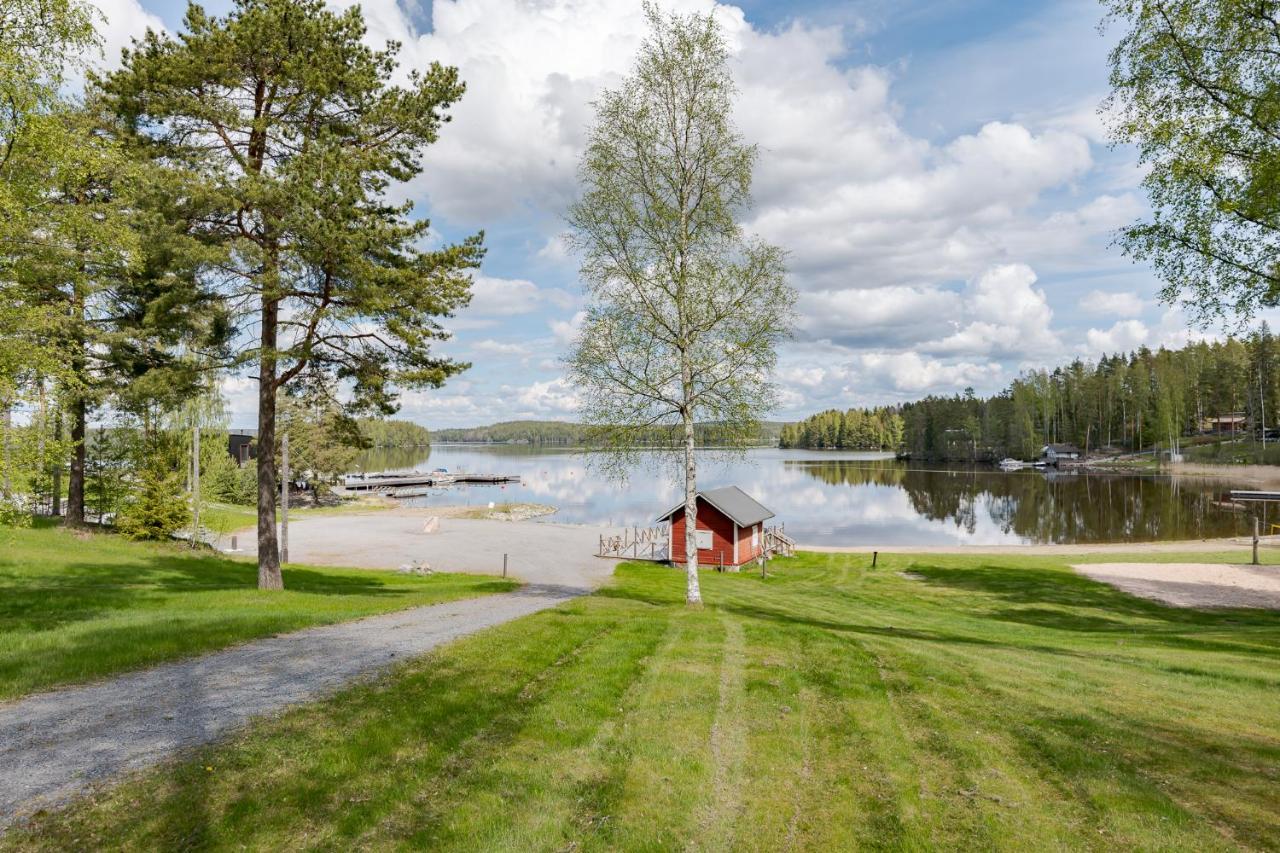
(937, 171)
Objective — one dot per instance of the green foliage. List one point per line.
(685, 310)
(855, 429)
(1194, 88)
(324, 441)
(224, 480)
(389, 432)
(288, 136)
(157, 508)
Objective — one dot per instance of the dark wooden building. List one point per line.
(730, 528)
(242, 445)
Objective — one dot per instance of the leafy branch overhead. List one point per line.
(1196, 87)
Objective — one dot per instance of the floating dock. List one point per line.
(1245, 495)
(400, 485)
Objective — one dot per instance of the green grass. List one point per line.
(986, 703)
(76, 607)
(224, 518)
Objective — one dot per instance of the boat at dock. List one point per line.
(1011, 464)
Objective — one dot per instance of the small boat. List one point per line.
(1011, 464)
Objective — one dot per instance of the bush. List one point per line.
(158, 508)
(225, 481)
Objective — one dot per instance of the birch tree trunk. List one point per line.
(693, 594)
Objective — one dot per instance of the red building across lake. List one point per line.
(730, 528)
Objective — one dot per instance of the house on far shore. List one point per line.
(1054, 453)
(242, 445)
(730, 528)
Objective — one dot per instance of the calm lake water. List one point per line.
(837, 498)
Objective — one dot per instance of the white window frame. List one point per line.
(704, 539)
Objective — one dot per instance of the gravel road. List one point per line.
(53, 745)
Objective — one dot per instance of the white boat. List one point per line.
(1012, 464)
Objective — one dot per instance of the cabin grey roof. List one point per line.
(1062, 448)
(739, 506)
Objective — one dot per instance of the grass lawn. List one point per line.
(223, 519)
(76, 607)
(971, 703)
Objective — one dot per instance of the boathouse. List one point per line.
(730, 528)
(1055, 453)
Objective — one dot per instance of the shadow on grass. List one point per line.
(80, 591)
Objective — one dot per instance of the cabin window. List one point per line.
(704, 539)
(755, 537)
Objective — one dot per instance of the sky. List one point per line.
(938, 173)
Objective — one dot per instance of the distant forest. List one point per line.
(1146, 399)
(394, 433)
(559, 433)
(855, 429)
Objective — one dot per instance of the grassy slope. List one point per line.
(78, 607)
(993, 702)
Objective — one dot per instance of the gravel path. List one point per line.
(53, 745)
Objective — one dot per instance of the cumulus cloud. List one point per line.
(121, 21)
(552, 397)
(505, 297)
(1123, 336)
(1119, 304)
(1009, 318)
(564, 331)
(499, 348)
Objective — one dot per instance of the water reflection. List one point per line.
(854, 498)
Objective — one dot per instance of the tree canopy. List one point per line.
(1196, 87)
(290, 134)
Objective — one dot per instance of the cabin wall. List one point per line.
(746, 552)
(721, 527)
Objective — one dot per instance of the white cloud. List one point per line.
(564, 331)
(1119, 304)
(911, 372)
(500, 348)
(1123, 336)
(508, 297)
(1010, 318)
(122, 21)
(552, 397)
(881, 317)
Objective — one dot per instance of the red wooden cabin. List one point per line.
(730, 528)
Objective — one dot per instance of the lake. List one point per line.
(845, 498)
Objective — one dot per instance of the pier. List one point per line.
(406, 485)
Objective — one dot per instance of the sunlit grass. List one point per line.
(79, 606)
(949, 702)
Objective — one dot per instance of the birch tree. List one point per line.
(684, 309)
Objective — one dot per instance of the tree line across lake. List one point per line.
(1147, 399)
(564, 434)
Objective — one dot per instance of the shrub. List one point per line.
(157, 509)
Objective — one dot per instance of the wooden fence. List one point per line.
(636, 543)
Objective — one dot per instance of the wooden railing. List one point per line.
(777, 543)
(636, 543)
